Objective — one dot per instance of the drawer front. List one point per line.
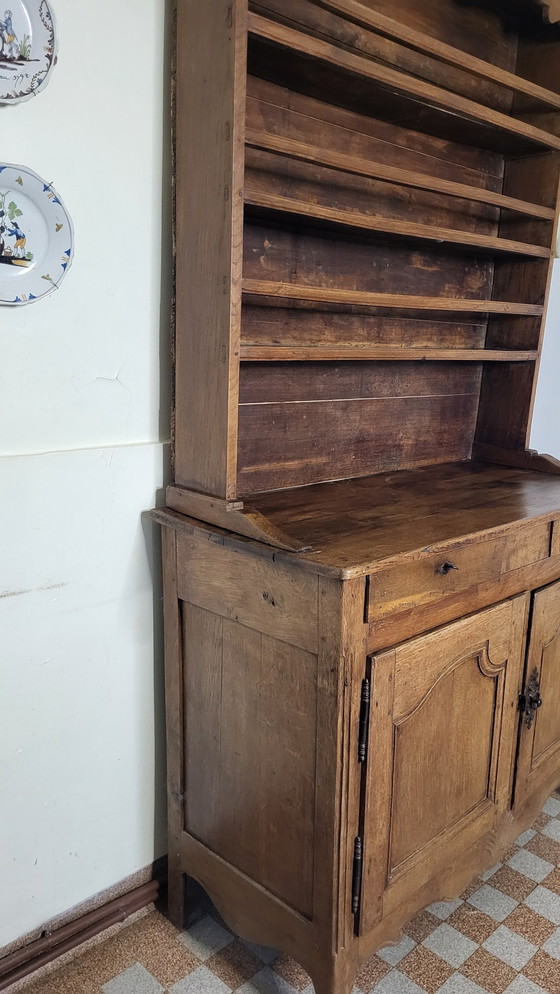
(555, 541)
(454, 567)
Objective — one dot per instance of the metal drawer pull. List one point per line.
(445, 568)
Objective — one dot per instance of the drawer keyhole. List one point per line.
(446, 568)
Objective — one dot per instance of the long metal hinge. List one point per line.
(357, 875)
(364, 722)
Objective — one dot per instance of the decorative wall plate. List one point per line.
(36, 236)
(28, 47)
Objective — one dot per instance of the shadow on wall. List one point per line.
(152, 531)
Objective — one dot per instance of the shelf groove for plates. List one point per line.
(360, 298)
(397, 82)
(393, 227)
(361, 15)
(303, 152)
(320, 353)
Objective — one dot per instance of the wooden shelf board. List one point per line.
(361, 15)
(392, 227)
(318, 353)
(327, 295)
(391, 174)
(398, 82)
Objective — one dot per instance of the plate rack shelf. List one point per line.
(373, 214)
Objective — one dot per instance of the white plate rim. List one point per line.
(50, 288)
(7, 101)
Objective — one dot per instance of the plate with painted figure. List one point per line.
(28, 48)
(36, 236)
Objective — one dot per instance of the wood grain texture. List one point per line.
(408, 86)
(250, 752)
(255, 591)
(174, 728)
(315, 213)
(294, 291)
(422, 719)
(539, 745)
(357, 525)
(287, 445)
(233, 516)
(305, 353)
(359, 13)
(355, 165)
(454, 567)
(209, 214)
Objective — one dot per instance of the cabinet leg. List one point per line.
(176, 897)
(335, 976)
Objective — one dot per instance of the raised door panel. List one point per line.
(539, 745)
(250, 706)
(441, 749)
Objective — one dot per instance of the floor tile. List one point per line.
(544, 970)
(234, 964)
(545, 847)
(396, 982)
(205, 938)
(552, 807)
(442, 909)
(529, 924)
(530, 865)
(264, 953)
(546, 903)
(394, 954)
(135, 980)
(513, 883)
(521, 985)
(552, 945)
(490, 873)
(451, 945)
(371, 973)
(266, 982)
(201, 981)
(487, 970)
(473, 923)
(495, 904)
(459, 984)
(510, 947)
(292, 972)
(422, 924)
(552, 882)
(426, 969)
(552, 829)
(525, 837)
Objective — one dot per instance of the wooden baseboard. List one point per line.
(38, 953)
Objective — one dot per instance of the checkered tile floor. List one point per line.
(501, 937)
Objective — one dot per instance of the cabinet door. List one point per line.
(442, 738)
(539, 744)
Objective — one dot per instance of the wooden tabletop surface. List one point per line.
(353, 525)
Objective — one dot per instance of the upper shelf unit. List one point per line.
(285, 54)
(365, 217)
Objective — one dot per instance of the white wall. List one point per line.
(81, 457)
(545, 436)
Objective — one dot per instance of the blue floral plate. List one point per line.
(36, 236)
(28, 48)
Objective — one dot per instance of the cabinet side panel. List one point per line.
(250, 752)
(211, 75)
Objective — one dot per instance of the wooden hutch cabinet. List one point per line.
(361, 555)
